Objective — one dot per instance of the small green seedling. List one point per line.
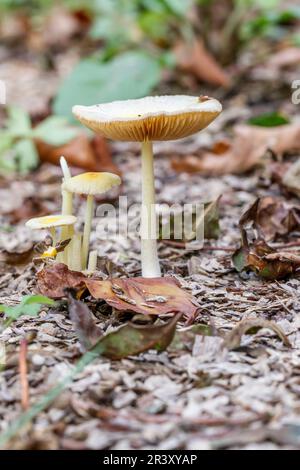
(29, 305)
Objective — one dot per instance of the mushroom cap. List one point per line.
(151, 118)
(91, 183)
(49, 221)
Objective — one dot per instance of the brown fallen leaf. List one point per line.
(155, 296)
(271, 217)
(130, 340)
(250, 145)
(31, 207)
(250, 326)
(53, 280)
(256, 257)
(17, 258)
(195, 58)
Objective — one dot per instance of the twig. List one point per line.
(23, 374)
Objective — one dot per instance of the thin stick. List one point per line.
(23, 374)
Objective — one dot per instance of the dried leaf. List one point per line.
(80, 152)
(141, 295)
(256, 257)
(83, 322)
(31, 207)
(17, 258)
(130, 340)
(52, 281)
(271, 217)
(195, 58)
(249, 146)
(233, 339)
(284, 58)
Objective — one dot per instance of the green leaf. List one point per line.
(130, 75)
(26, 155)
(269, 120)
(18, 122)
(55, 131)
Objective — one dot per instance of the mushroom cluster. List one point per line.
(146, 120)
(76, 249)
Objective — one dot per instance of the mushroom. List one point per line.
(90, 184)
(51, 222)
(145, 120)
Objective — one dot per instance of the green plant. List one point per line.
(17, 139)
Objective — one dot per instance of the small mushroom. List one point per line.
(145, 120)
(51, 222)
(90, 184)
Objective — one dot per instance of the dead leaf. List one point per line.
(209, 219)
(290, 178)
(31, 207)
(250, 145)
(130, 340)
(195, 58)
(155, 296)
(256, 257)
(80, 152)
(81, 316)
(250, 326)
(285, 58)
(53, 280)
(271, 217)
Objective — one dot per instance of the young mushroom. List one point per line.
(51, 223)
(145, 120)
(90, 184)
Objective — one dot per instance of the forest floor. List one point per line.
(201, 395)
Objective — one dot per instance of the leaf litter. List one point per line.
(197, 393)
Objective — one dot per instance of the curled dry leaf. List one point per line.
(130, 340)
(271, 217)
(150, 296)
(233, 339)
(53, 280)
(263, 260)
(250, 145)
(81, 316)
(194, 58)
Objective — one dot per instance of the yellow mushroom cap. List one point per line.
(91, 183)
(151, 118)
(49, 221)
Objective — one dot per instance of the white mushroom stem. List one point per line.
(67, 197)
(87, 229)
(149, 257)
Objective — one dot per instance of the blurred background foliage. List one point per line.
(131, 48)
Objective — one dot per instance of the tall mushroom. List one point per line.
(90, 184)
(145, 120)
